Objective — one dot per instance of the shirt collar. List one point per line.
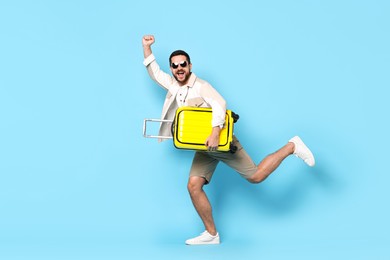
(191, 80)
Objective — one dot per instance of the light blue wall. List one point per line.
(78, 180)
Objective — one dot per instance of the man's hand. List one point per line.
(147, 40)
(212, 141)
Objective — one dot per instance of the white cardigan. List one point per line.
(200, 94)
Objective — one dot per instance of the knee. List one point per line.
(195, 184)
(255, 179)
(259, 176)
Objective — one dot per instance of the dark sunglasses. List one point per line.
(182, 64)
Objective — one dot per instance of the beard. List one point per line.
(183, 78)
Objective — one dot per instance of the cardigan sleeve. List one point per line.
(160, 77)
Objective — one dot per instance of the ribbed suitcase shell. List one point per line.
(192, 126)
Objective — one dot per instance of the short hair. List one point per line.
(177, 53)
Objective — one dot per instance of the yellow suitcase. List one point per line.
(192, 126)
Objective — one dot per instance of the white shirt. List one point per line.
(197, 93)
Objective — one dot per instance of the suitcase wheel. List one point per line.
(235, 117)
(233, 148)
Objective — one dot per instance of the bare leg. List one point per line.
(201, 203)
(271, 162)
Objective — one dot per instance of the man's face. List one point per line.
(180, 69)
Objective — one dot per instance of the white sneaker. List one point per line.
(302, 151)
(204, 239)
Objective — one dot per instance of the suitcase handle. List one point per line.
(155, 120)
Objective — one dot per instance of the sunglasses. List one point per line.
(182, 64)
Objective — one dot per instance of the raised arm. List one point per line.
(160, 77)
(147, 41)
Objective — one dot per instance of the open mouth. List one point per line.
(180, 74)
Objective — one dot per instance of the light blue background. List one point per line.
(79, 181)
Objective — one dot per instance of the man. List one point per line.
(184, 88)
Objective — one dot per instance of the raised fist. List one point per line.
(148, 40)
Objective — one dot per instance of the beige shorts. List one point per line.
(205, 163)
